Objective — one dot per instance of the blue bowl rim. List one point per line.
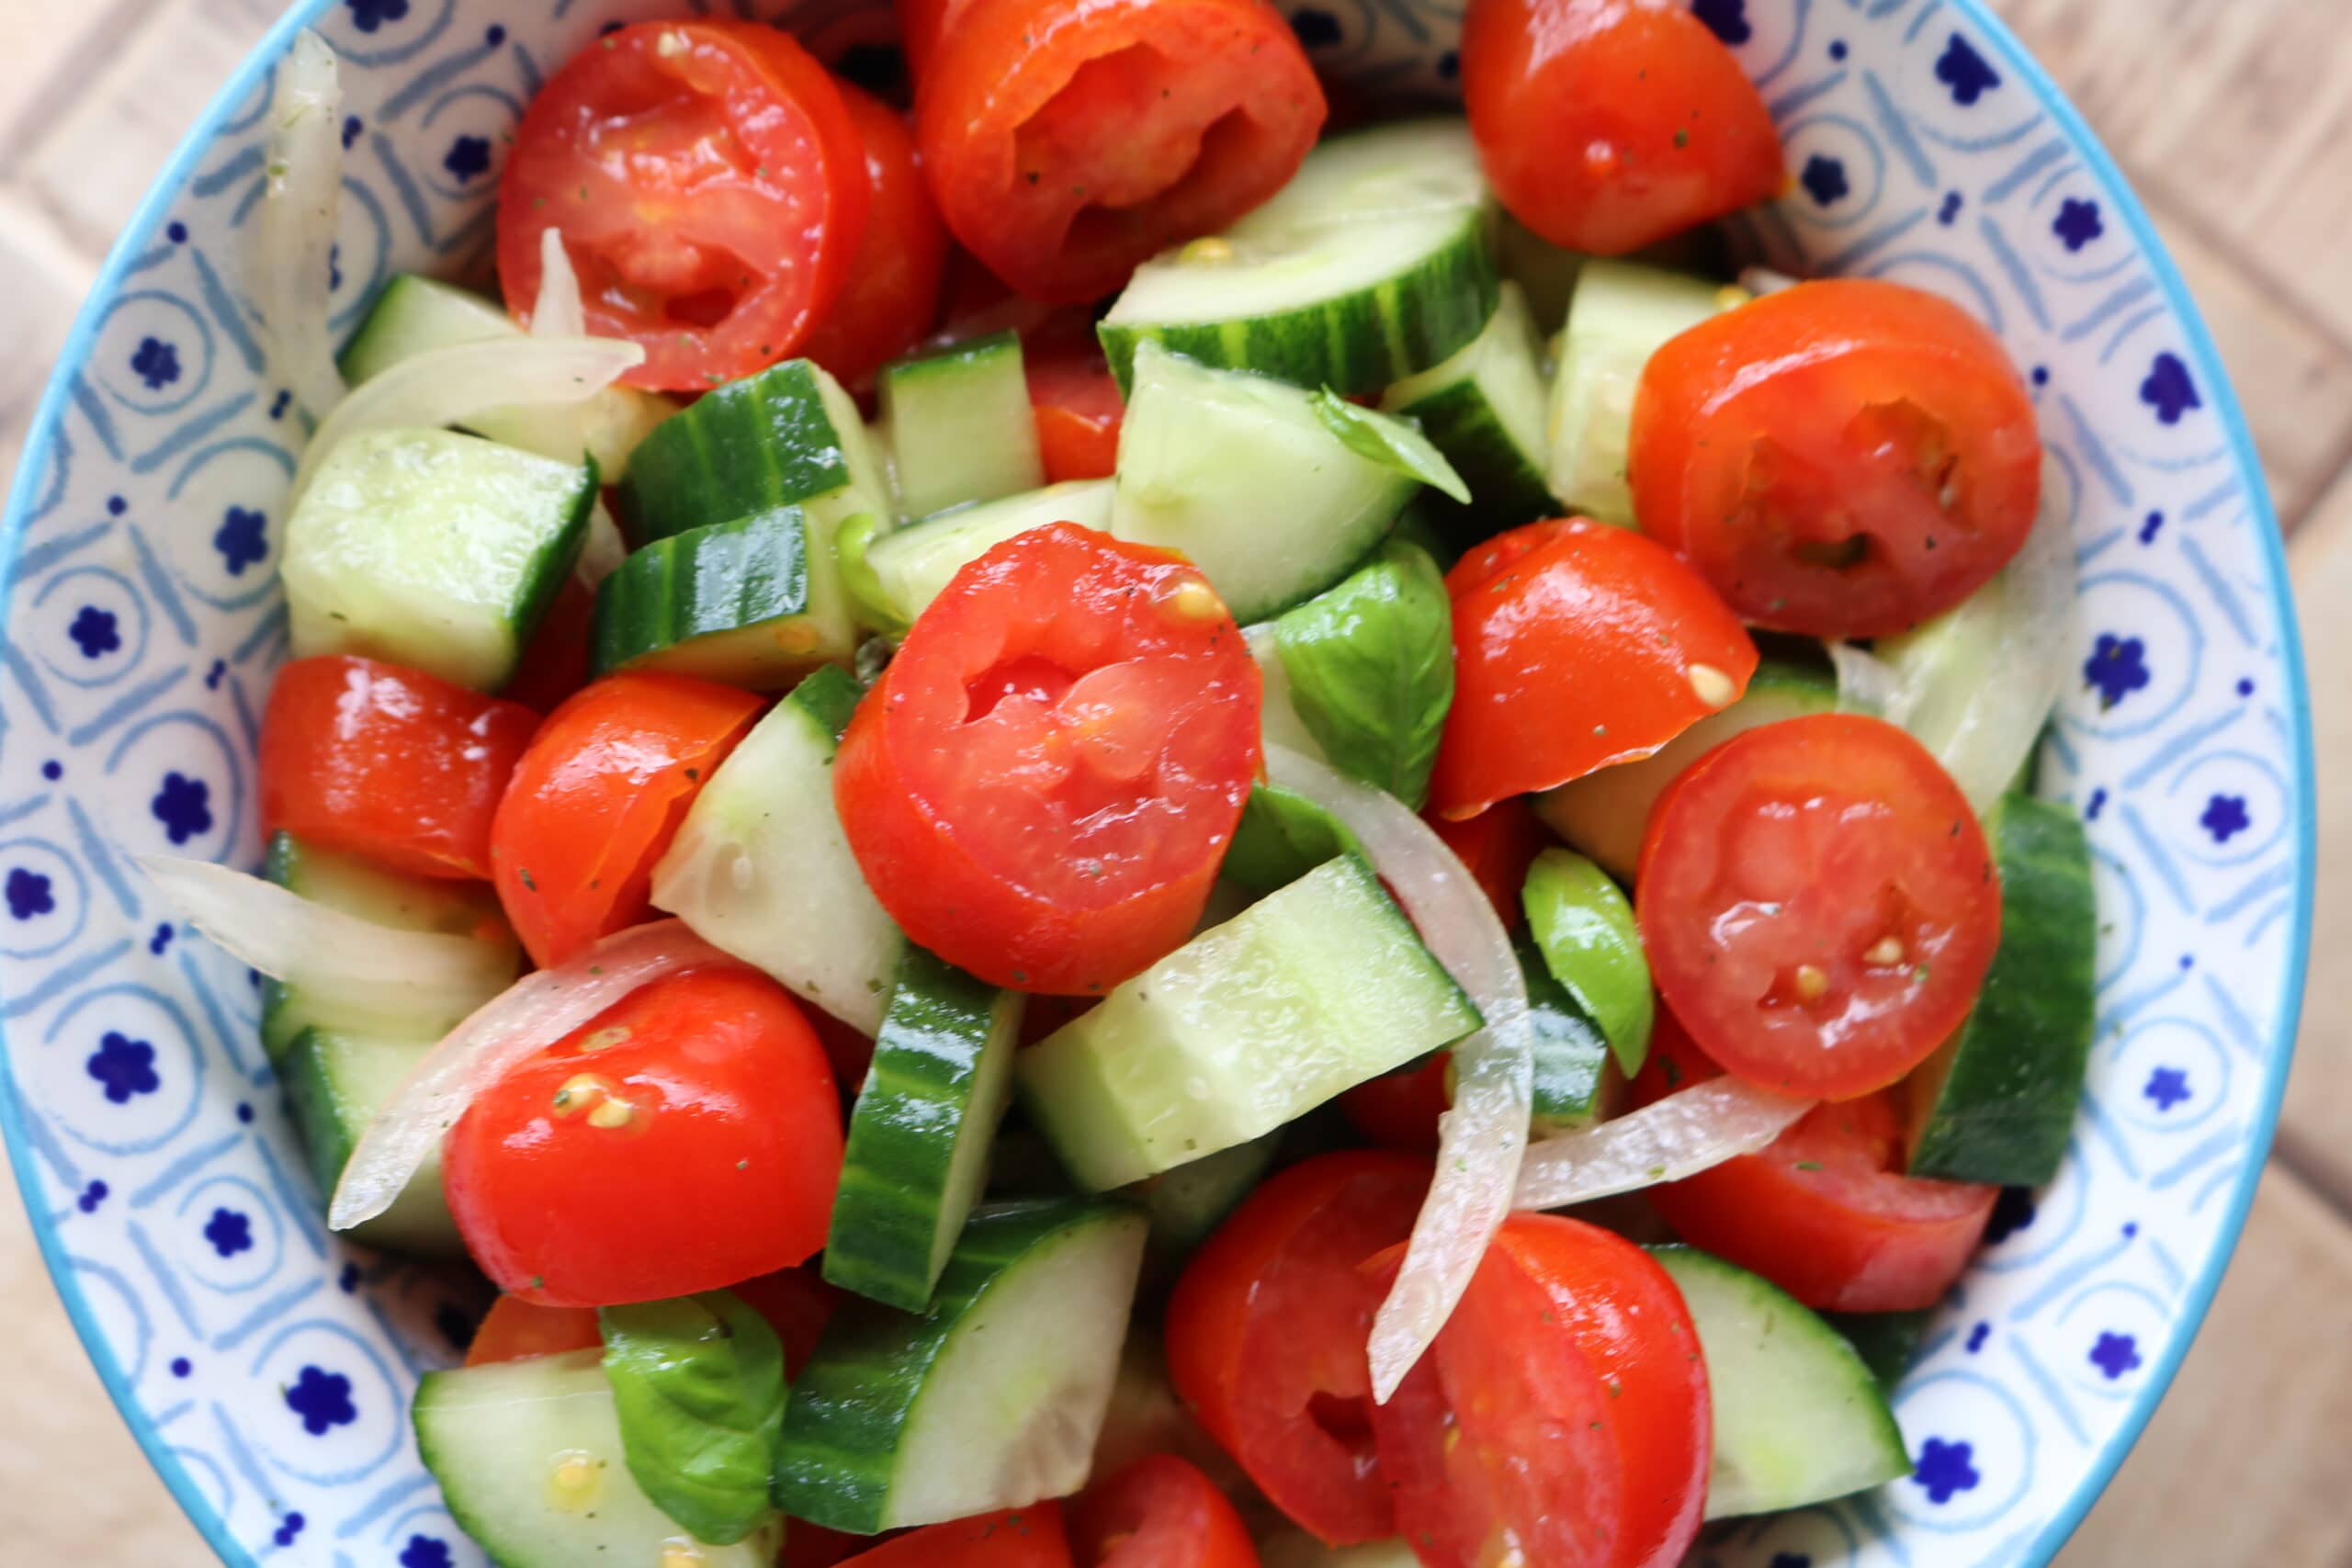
(255, 70)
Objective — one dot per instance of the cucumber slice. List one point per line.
(1370, 266)
(762, 869)
(1484, 408)
(1186, 1203)
(913, 564)
(413, 314)
(960, 425)
(1799, 1418)
(1573, 1087)
(528, 1455)
(1240, 475)
(1585, 930)
(1281, 836)
(433, 549)
(1622, 313)
(1996, 1100)
(920, 1134)
(733, 602)
(992, 1399)
(334, 1083)
(1544, 272)
(1307, 993)
(1603, 814)
(1888, 1342)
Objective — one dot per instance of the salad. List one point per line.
(1090, 826)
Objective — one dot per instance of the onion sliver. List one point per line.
(559, 312)
(1482, 1138)
(526, 1019)
(1666, 1139)
(601, 549)
(294, 236)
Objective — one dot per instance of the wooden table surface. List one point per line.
(2234, 118)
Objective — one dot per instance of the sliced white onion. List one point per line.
(559, 312)
(1866, 684)
(1666, 1139)
(363, 969)
(294, 236)
(521, 1021)
(603, 551)
(1762, 280)
(1483, 1137)
(450, 386)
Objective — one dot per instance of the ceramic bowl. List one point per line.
(266, 1367)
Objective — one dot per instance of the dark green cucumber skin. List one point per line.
(724, 578)
(954, 355)
(1282, 836)
(1888, 1342)
(1505, 490)
(320, 1123)
(829, 696)
(280, 1027)
(1571, 1057)
(739, 450)
(2017, 1065)
(852, 1401)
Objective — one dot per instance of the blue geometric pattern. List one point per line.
(266, 1366)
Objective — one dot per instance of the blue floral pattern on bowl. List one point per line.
(266, 1366)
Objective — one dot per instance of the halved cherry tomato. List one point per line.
(1160, 1512)
(686, 1137)
(1041, 786)
(388, 763)
(1842, 458)
(797, 1304)
(710, 187)
(1400, 1109)
(515, 1330)
(1075, 398)
(1496, 847)
(1266, 1334)
(1069, 140)
(1824, 1211)
(1818, 904)
(1606, 125)
(1576, 645)
(1017, 1538)
(598, 797)
(893, 288)
(554, 663)
(807, 1545)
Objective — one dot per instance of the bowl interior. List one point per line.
(266, 1367)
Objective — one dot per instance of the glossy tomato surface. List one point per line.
(1841, 458)
(892, 291)
(1034, 1536)
(1160, 1512)
(515, 1330)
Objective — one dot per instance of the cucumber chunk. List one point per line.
(1186, 1203)
(733, 602)
(1305, 994)
(1584, 927)
(1240, 475)
(1622, 313)
(433, 549)
(334, 1083)
(1370, 266)
(992, 1399)
(1484, 408)
(912, 565)
(1996, 1100)
(920, 1134)
(960, 425)
(1799, 1417)
(1888, 1342)
(1571, 1085)
(528, 1455)
(762, 869)
(413, 314)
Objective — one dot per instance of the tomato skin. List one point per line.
(1824, 1211)
(1496, 847)
(1076, 401)
(1266, 1330)
(1041, 786)
(723, 1169)
(402, 767)
(1818, 904)
(1066, 139)
(711, 188)
(597, 798)
(516, 1330)
(1774, 440)
(1576, 644)
(1607, 125)
(1160, 1512)
(798, 1303)
(1400, 1109)
(892, 292)
(1032, 1537)
(555, 664)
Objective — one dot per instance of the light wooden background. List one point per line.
(2235, 116)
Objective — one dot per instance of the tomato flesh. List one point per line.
(516, 1330)
(1400, 1109)
(1032, 1537)
(1160, 1512)
(1496, 847)
(798, 1303)
(893, 287)
(1074, 398)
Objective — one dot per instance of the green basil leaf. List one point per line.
(1393, 443)
(1569, 1052)
(1282, 836)
(1585, 930)
(1370, 669)
(699, 1383)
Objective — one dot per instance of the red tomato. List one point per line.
(597, 798)
(1044, 781)
(1562, 1417)
(1160, 1512)
(1400, 1109)
(1496, 847)
(1576, 645)
(1076, 400)
(1824, 1211)
(807, 1545)
(1018, 1538)
(1266, 1334)
(686, 1137)
(1842, 458)
(515, 1330)
(555, 664)
(1818, 904)
(797, 1304)
(392, 764)
(893, 288)
(1607, 125)
(1069, 140)
(711, 188)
